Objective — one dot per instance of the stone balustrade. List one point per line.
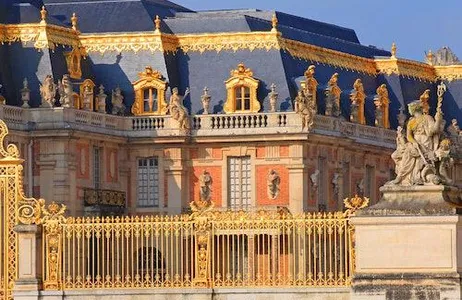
(58, 118)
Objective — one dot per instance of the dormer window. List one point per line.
(73, 59)
(150, 94)
(242, 92)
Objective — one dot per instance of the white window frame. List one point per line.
(239, 182)
(148, 182)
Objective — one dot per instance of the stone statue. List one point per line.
(48, 92)
(423, 157)
(101, 100)
(205, 98)
(333, 93)
(360, 187)
(454, 129)
(382, 103)
(336, 183)
(118, 107)
(310, 86)
(401, 117)
(304, 107)
(273, 181)
(178, 111)
(273, 98)
(358, 97)
(205, 181)
(88, 95)
(315, 180)
(25, 93)
(65, 91)
(424, 100)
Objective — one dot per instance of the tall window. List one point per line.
(97, 167)
(322, 185)
(239, 182)
(148, 182)
(242, 98)
(149, 100)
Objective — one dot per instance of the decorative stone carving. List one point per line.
(360, 187)
(333, 93)
(357, 97)
(273, 181)
(424, 101)
(101, 100)
(310, 86)
(336, 183)
(273, 98)
(118, 107)
(382, 103)
(65, 91)
(454, 129)
(205, 98)
(48, 92)
(87, 89)
(401, 117)
(304, 107)
(25, 93)
(315, 180)
(178, 111)
(423, 157)
(205, 181)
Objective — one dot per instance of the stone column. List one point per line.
(409, 245)
(176, 189)
(28, 284)
(297, 188)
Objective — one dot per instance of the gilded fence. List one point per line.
(210, 249)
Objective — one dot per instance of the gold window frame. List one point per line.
(241, 77)
(73, 62)
(149, 79)
(85, 83)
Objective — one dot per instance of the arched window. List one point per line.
(242, 92)
(149, 94)
(73, 59)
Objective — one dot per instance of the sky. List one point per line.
(415, 26)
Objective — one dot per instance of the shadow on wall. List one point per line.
(112, 76)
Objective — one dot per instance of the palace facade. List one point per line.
(153, 105)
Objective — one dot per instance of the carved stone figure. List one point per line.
(205, 181)
(397, 155)
(65, 91)
(205, 98)
(357, 97)
(310, 86)
(336, 183)
(25, 93)
(333, 93)
(360, 187)
(101, 100)
(401, 117)
(423, 158)
(424, 100)
(382, 103)
(87, 97)
(273, 98)
(304, 107)
(48, 92)
(315, 180)
(178, 111)
(273, 181)
(118, 107)
(454, 129)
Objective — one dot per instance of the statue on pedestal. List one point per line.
(310, 86)
(88, 95)
(118, 107)
(273, 98)
(48, 92)
(333, 93)
(178, 111)
(304, 107)
(25, 94)
(65, 91)
(101, 100)
(357, 97)
(382, 103)
(423, 156)
(205, 98)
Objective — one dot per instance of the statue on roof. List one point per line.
(118, 107)
(358, 97)
(382, 103)
(65, 91)
(306, 110)
(423, 156)
(310, 86)
(101, 100)
(178, 111)
(333, 93)
(48, 92)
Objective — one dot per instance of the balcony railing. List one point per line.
(18, 118)
(97, 197)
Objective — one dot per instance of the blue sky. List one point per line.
(415, 26)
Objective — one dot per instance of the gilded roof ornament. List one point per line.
(43, 15)
(430, 57)
(157, 22)
(393, 50)
(274, 23)
(74, 20)
(242, 71)
(149, 73)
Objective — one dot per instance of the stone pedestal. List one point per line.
(409, 245)
(28, 284)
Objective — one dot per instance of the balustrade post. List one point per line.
(29, 279)
(202, 233)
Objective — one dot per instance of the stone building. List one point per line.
(128, 113)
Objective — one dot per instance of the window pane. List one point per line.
(148, 182)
